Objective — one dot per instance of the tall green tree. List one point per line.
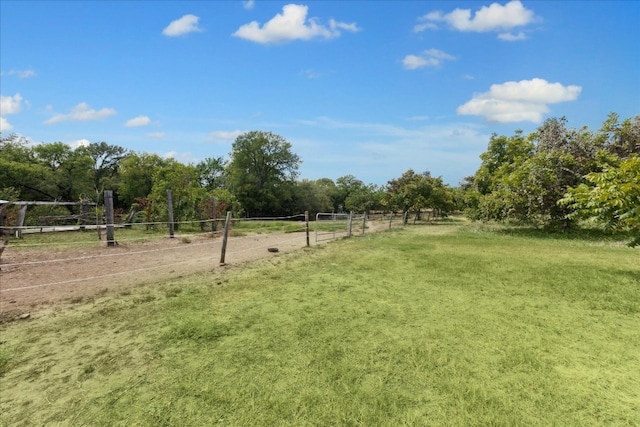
(522, 178)
(347, 187)
(620, 138)
(364, 199)
(312, 196)
(21, 170)
(504, 154)
(187, 193)
(212, 171)
(137, 171)
(69, 169)
(262, 172)
(106, 164)
(611, 197)
(414, 192)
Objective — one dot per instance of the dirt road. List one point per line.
(36, 278)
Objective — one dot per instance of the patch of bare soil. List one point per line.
(37, 279)
(34, 279)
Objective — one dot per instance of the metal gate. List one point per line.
(332, 225)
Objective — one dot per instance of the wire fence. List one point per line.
(77, 260)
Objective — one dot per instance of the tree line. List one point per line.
(557, 176)
(554, 177)
(260, 178)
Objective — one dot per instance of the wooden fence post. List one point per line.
(349, 224)
(170, 213)
(84, 213)
(212, 206)
(306, 226)
(390, 219)
(108, 210)
(20, 221)
(333, 225)
(364, 221)
(225, 236)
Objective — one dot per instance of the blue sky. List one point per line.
(369, 89)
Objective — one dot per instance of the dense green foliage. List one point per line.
(551, 177)
(556, 175)
(260, 178)
(414, 192)
(611, 196)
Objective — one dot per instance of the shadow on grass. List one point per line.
(583, 234)
(449, 220)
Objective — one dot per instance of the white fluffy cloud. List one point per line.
(9, 105)
(4, 125)
(186, 24)
(138, 121)
(80, 143)
(81, 113)
(526, 100)
(427, 58)
(495, 17)
(248, 4)
(292, 24)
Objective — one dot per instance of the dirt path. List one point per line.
(34, 279)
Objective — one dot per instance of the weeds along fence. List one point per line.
(75, 260)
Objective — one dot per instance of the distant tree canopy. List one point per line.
(260, 178)
(557, 175)
(414, 192)
(552, 177)
(262, 172)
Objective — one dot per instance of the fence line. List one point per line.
(153, 223)
(119, 273)
(96, 243)
(47, 261)
(273, 218)
(55, 260)
(210, 258)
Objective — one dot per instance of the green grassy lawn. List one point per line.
(427, 325)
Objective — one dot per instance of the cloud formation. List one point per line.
(186, 24)
(82, 113)
(248, 4)
(526, 100)
(510, 37)
(80, 143)
(427, 58)
(21, 74)
(138, 121)
(495, 17)
(4, 125)
(9, 105)
(226, 135)
(292, 24)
